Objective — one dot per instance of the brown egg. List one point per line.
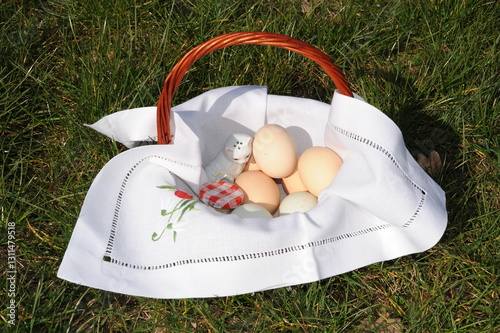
(317, 168)
(259, 189)
(251, 164)
(293, 183)
(274, 151)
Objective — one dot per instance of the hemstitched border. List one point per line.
(391, 157)
(118, 205)
(247, 256)
(230, 258)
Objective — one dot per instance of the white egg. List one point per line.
(251, 210)
(297, 202)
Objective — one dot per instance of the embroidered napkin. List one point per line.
(141, 231)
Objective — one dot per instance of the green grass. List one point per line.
(432, 66)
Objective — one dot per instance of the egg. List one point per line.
(293, 183)
(297, 202)
(251, 164)
(260, 189)
(251, 210)
(274, 151)
(317, 168)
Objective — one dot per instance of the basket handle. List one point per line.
(238, 38)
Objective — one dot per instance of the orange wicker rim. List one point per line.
(238, 38)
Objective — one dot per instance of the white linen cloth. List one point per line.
(138, 234)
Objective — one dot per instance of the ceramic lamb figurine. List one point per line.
(230, 161)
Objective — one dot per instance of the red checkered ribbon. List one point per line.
(222, 195)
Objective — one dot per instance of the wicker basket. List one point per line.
(238, 38)
(380, 206)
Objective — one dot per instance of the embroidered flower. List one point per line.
(183, 195)
(172, 219)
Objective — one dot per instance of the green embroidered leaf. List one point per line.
(187, 208)
(184, 203)
(166, 187)
(155, 236)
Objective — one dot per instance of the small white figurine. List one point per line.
(230, 161)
